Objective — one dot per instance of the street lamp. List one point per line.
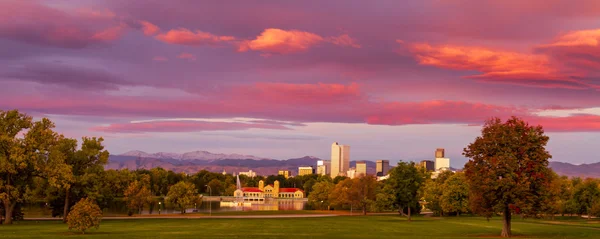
(209, 204)
(159, 207)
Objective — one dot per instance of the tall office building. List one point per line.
(305, 170)
(323, 167)
(439, 153)
(428, 165)
(361, 168)
(340, 159)
(382, 167)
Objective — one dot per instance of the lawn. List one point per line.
(381, 226)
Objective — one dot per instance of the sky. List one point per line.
(283, 79)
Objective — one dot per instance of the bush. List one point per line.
(84, 215)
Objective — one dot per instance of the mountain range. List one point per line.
(192, 162)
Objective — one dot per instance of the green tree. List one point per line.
(433, 190)
(23, 159)
(183, 194)
(85, 215)
(508, 169)
(86, 164)
(586, 194)
(319, 197)
(455, 196)
(138, 195)
(404, 184)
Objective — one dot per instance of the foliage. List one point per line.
(404, 184)
(138, 195)
(455, 196)
(358, 192)
(84, 215)
(508, 169)
(586, 194)
(433, 190)
(183, 194)
(319, 198)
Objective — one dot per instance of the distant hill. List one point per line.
(195, 161)
(202, 160)
(584, 170)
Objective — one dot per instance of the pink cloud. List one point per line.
(344, 40)
(183, 126)
(573, 123)
(149, 29)
(184, 36)
(34, 23)
(159, 58)
(278, 41)
(187, 56)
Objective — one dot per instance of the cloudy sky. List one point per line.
(284, 79)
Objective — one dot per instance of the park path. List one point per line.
(197, 217)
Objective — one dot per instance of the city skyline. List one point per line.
(395, 80)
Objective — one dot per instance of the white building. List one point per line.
(351, 173)
(323, 167)
(442, 163)
(249, 173)
(340, 159)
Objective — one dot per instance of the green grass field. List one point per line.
(381, 226)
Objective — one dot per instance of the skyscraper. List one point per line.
(361, 168)
(439, 153)
(340, 159)
(305, 170)
(382, 167)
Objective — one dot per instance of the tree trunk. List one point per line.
(66, 209)
(506, 222)
(409, 214)
(364, 209)
(8, 209)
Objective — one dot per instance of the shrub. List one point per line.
(84, 215)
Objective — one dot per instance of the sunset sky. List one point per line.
(285, 79)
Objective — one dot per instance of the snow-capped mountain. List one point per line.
(194, 155)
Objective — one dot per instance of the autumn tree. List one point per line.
(319, 197)
(85, 215)
(183, 194)
(508, 169)
(455, 194)
(138, 195)
(404, 184)
(23, 159)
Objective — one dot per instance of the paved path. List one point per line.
(197, 217)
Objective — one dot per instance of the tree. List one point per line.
(404, 184)
(24, 159)
(85, 215)
(508, 169)
(138, 195)
(320, 194)
(90, 159)
(455, 196)
(358, 192)
(183, 194)
(586, 195)
(433, 190)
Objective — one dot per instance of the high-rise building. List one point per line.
(428, 165)
(439, 153)
(323, 167)
(442, 163)
(361, 168)
(305, 170)
(285, 173)
(382, 167)
(340, 159)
